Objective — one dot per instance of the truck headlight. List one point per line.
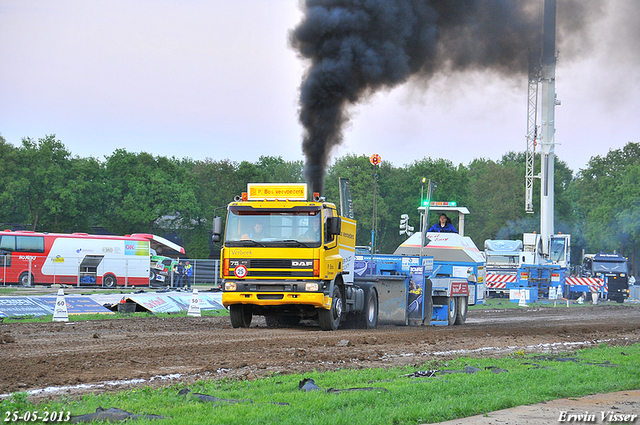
(311, 287)
(230, 286)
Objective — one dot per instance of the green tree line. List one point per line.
(44, 188)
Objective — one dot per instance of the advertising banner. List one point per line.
(41, 306)
(175, 302)
(416, 292)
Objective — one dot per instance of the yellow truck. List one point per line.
(289, 258)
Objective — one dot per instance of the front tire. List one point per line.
(330, 319)
(461, 316)
(240, 315)
(26, 279)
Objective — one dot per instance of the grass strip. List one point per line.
(528, 379)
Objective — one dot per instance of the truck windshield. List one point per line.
(272, 227)
(610, 266)
(557, 249)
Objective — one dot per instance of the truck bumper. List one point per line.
(314, 299)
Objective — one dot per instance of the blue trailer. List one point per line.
(429, 285)
(413, 290)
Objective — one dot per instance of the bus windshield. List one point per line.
(271, 227)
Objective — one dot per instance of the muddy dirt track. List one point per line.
(40, 355)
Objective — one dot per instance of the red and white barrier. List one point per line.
(593, 283)
(499, 281)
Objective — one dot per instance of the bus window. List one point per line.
(8, 243)
(30, 244)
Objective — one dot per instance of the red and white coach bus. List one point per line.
(81, 259)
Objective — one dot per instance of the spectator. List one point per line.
(188, 272)
(179, 272)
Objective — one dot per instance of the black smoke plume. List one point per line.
(357, 47)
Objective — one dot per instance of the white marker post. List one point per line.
(60, 313)
(194, 305)
(523, 298)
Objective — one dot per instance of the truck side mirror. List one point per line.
(334, 225)
(217, 229)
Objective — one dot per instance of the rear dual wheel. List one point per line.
(368, 319)
(461, 315)
(457, 310)
(452, 310)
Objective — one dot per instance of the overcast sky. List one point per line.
(217, 79)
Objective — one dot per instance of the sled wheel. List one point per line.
(453, 310)
(461, 317)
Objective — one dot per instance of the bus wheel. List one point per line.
(24, 279)
(109, 281)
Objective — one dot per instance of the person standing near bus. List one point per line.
(188, 271)
(179, 272)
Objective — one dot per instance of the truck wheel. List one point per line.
(453, 311)
(240, 315)
(370, 314)
(330, 319)
(461, 317)
(369, 317)
(109, 281)
(152, 275)
(24, 279)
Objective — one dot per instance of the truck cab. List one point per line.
(613, 269)
(287, 258)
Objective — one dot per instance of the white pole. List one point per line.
(547, 139)
(30, 261)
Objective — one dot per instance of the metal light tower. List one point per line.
(532, 126)
(547, 136)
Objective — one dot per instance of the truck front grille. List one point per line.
(269, 264)
(270, 296)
